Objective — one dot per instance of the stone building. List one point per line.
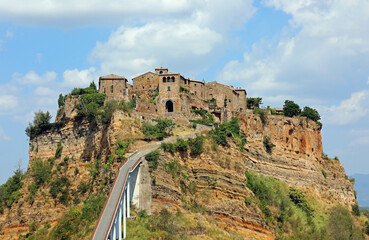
(115, 87)
(164, 92)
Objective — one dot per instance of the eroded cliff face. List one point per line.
(296, 157)
(219, 175)
(83, 143)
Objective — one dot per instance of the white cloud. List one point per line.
(79, 78)
(324, 46)
(33, 78)
(44, 91)
(8, 103)
(3, 136)
(350, 110)
(132, 50)
(361, 141)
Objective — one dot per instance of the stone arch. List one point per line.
(169, 106)
(172, 79)
(161, 72)
(164, 79)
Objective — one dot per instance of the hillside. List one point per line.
(278, 184)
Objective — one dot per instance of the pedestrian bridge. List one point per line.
(127, 188)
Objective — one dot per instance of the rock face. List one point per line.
(296, 157)
(218, 175)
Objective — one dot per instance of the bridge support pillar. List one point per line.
(124, 213)
(128, 197)
(120, 215)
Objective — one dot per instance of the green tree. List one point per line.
(93, 85)
(311, 113)
(253, 103)
(61, 100)
(290, 108)
(40, 123)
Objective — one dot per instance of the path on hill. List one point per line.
(106, 216)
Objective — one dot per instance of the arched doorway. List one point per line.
(169, 106)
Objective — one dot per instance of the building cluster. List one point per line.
(164, 92)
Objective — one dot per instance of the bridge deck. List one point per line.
(107, 215)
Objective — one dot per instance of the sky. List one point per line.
(313, 52)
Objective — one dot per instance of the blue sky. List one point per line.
(310, 51)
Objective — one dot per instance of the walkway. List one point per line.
(107, 215)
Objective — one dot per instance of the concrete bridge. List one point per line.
(127, 187)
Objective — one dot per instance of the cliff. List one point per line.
(218, 173)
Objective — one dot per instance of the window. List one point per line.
(143, 87)
(102, 80)
(161, 72)
(195, 84)
(124, 92)
(168, 88)
(229, 100)
(111, 88)
(120, 80)
(195, 93)
(148, 108)
(173, 79)
(164, 79)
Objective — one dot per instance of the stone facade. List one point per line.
(114, 86)
(164, 92)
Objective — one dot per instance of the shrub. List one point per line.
(201, 112)
(9, 191)
(196, 145)
(174, 168)
(268, 145)
(58, 150)
(60, 188)
(41, 123)
(121, 149)
(168, 147)
(40, 171)
(228, 129)
(340, 224)
(162, 129)
(61, 100)
(153, 159)
(291, 109)
(254, 102)
(89, 104)
(311, 113)
(298, 198)
(324, 173)
(262, 114)
(181, 145)
(355, 210)
(108, 111)
(185, 90)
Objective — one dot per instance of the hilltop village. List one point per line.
(164, 92)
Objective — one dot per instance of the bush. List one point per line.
(61, 100)
(174, 168)
(311, 114)
(58, 150)
(41, 123)
(40, 171)
(253, 103)
(291, 109)
(340, 224)
(60, 188)
(108, 112)
(181, 145)
(324, 173)
(89, 104)
(196, 145)
(185, 90)
(355, 210)
(76, 222)
(9, 191)
(228, 129)
(168, 147)
(262, 114)
(298, 198)
(268, 145)
(162, 129)
(153, 159)
(121, 149)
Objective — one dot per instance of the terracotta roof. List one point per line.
(112, 76)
